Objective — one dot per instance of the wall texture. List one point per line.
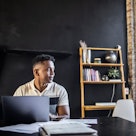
(59, 25)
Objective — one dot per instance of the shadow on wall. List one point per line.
(2, 57)
(2, 60)
(1, 114)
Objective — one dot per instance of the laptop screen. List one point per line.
(25, 109)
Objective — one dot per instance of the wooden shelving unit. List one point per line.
(119, 65)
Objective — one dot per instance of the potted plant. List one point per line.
(113, 73)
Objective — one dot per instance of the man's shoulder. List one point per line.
(57, 85)
(24, 89)
(30, 83)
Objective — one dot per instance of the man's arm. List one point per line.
(63, 112)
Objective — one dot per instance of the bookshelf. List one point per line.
(103, 64)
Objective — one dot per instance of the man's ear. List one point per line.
(35, 72)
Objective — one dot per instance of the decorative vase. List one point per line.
(111, 57)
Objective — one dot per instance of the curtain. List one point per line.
(131, 46)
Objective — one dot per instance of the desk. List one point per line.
(106, 127)
(115, 127)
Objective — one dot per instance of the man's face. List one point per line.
(45, 72)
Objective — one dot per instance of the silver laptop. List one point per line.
(25, 109)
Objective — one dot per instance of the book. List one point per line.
(105, 103)
(84, 55)
(115, 80)
(88, 59)
(66, 128)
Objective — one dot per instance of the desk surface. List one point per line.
(115, 127)
(106, 127)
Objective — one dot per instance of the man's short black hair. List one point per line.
(41, 58)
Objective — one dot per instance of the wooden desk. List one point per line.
(106, 127)
(115, 127)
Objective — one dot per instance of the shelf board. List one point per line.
(93, 107)
(36, 52)
(103, 64)
(103, 82)
(102, 49)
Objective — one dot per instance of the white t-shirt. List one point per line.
(52, 90)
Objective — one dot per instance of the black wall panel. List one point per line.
(58, 25)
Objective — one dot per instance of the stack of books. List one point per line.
(91, 75)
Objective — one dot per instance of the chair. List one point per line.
(124, 109)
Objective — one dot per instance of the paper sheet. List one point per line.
(85, 121)
(23, 128)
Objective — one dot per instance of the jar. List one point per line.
(97, 60)
(105, 78)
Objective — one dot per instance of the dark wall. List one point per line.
(58, 25)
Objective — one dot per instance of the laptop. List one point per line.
(25, 109)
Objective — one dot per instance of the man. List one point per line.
(43, 85)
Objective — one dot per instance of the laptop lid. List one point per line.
(25, 109)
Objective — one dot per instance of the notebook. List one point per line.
(66, 128)
(25, 109)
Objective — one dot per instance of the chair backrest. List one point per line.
(125, 109)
